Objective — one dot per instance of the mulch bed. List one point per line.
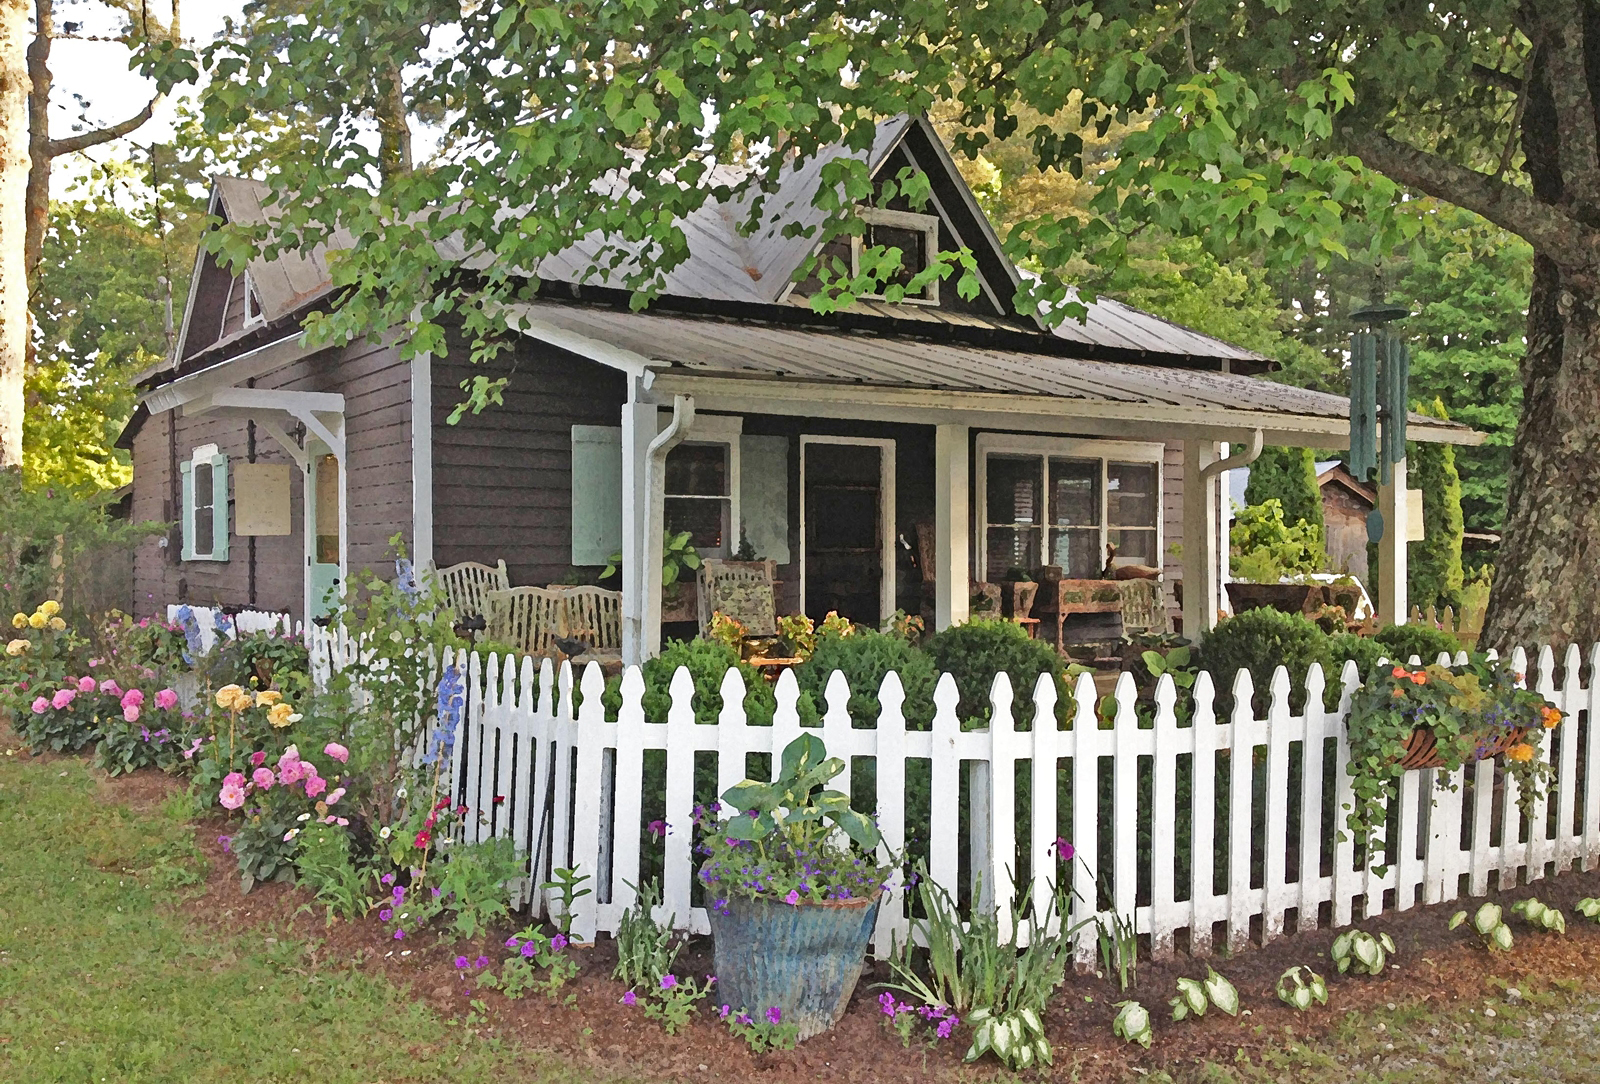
(1436, 966)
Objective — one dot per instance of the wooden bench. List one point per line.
(530, 619)
(466, 586)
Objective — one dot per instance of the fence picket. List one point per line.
(943, 855)
(1087, 742)
(1164, 910)
(1567, 843)
(1203, 819)
(680, 795)
(586, 804)
(1591, 763)
(1001, 875)
(1313, 751)
(1243, 903)
(891, 780)
(1281, 733)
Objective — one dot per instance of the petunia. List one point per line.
(629, 998)
(481, 961)
(668, 981)
(528, 949)
(399, 935)
(337, 752)
(461, 963)
(557, 943)
(793, 898)
(385, 914)
(774, 1015)
(512, 942)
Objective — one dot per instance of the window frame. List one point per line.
(216, 547)
(252, 307)
(906, 220)
(724, 430)
(1044, 448)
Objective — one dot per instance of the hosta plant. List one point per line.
(1301, 991)
(1132, 1023)
(1195, 995)
(1540, 915)
(1361, 953)
(1488, 924)
(1016, 1037)
(1589, 908)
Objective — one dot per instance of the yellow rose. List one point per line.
(57, 624)
(1520, 752)
(267, 698)
(18, 647)
(50, 607)
(279, 715)
(37, 621)
(233, 698)
(19, 621)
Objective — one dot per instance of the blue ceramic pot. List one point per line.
(804, 959)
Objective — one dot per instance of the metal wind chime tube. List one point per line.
(1396, 378)
(1363, 404)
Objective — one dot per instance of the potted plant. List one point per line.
(1405, 718)
(678, 595)
(792, 883)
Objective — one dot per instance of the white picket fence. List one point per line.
(571, 789)
(245, 622)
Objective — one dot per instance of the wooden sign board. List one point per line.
(261, 498)
(1414, 524)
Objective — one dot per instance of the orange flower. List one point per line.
(1397, 693)
(1399, 672)
(1420, 678)
(1520, 751)
(1552, 717)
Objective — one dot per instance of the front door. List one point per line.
(322, 533)
(848, 510)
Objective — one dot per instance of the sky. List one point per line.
(97, 72)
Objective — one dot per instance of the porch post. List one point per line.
(1201, 538)
(952, 515)
(638, 430)
(1391, 601)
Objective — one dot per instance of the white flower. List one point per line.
(400, 792)
(296, 717)
(290, 834)
(303, 817)
(385, 833)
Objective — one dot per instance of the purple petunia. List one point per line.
(558, 942)
(528, 949)
(669, 981)
(774, 1015)
(629, 998)
(461, 963)
(385, 914)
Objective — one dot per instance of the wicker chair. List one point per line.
(1144, 606)
(593, 615)
(467, 585)
(528, 618)
(741, 589)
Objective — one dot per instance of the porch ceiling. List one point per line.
(763, 368)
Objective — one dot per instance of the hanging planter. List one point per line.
(792, 883)
(1410, 718)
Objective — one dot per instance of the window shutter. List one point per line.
(219, 508)
(596, 493)
(764, 495)
(186, 513)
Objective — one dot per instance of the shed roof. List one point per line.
(668, 345)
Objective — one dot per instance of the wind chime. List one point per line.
(1380, 372)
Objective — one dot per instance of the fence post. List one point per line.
(891, 775)
(1591, 763)
(1203, 819)
(1044, 863)
(680, 794)
(1087, 741)
(943, 859)
(1001, 877)
(1169, 744)
(589, 741)
(626, 816)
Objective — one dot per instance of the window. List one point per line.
(915, 235)
(1055, 502)
(205, 505)
(699, 495)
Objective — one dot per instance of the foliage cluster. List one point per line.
(1288, 476)
(1265, 549)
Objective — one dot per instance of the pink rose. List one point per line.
(131, 713)
(233, 779)
(289, 772)
(337, 752)
(258, 758)
(166, 699)
(86, 684)
(232, 797)
(315, 785)
(40, 705)
(62, 698)
(134, 697)
(262, 778)
(335, 795)
(110, 687)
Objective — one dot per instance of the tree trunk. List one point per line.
(1547, 582)
(14, 86)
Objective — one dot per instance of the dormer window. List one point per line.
(915, 235)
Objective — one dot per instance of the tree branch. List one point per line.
(1497, 78)
(85, 140)
(1550, 230)
(1578, 147)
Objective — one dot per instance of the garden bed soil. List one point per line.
(1435, 966)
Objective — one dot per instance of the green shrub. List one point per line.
(1347, 645)
(707, 662)
(864, 658)
(1435, 574)
(260, 660)
(1265, 548)
(1260, 641)
(975, 652)
(1289, 476)
(1400, 642)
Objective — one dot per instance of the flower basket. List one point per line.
(1422, 748)
(804, 958)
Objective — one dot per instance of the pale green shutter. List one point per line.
(186, 513)
(764, 495)
(596, 493)
(219, 508)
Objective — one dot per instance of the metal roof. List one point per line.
(734, 349)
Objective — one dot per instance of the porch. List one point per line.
(827, 450)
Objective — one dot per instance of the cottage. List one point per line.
(879, 456)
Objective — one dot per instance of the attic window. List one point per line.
(252, 305)
(915, 235)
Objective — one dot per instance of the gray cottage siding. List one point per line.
(502, 479)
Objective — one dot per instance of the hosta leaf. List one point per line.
(1301, 998)
(1387, 942)
(1500, 937)
(1222, 993)
(1457, 919)
(1031, 1018)
(1341, 946)
(1367, 952)
(1319, 989)
(1487, 918)
(1041, 1047)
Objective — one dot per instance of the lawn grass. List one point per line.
(102, 980)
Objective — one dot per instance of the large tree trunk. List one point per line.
(1547, 583)
(14, 85)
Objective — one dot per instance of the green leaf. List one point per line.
(1222, 993)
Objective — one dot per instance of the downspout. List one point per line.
(1251, 453)
(655, 516)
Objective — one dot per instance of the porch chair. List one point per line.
(467, 585)
(528, 618)
(593, 615)
(1144, 606)
(743, 590)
